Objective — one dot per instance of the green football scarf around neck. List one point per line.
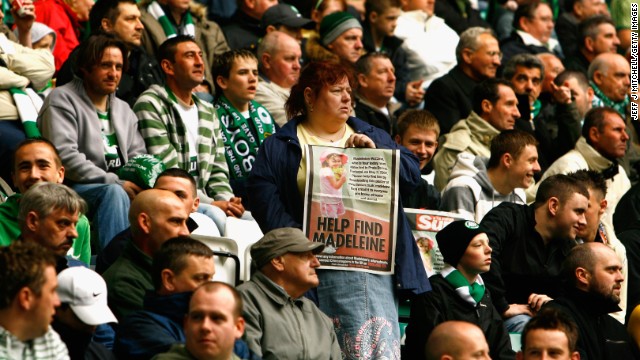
(242, 137)
(188, 28)
(601, 100)
(471, 293)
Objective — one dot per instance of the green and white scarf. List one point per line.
(27, 101)
(601, 100)
(241, 137)
(187, 26)
(471, 293)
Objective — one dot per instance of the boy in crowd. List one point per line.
(244, 123)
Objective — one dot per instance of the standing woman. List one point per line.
(363, 306)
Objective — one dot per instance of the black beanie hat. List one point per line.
(454, 239)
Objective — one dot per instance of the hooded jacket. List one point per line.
(470, 192)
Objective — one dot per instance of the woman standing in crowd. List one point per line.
(363, 306)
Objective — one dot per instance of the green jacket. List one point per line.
(10, 230)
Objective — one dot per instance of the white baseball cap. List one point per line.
(86, 293)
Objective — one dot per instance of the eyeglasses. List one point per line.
(495, 53)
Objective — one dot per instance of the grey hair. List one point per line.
(469, 40)
(526, 60)
(600, 63)
(269, 44)
(45, 197)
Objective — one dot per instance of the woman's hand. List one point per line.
(360, 141)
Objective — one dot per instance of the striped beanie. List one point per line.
(333, 25)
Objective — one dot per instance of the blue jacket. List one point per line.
(275, 201)
(143, 334)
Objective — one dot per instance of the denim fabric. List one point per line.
(108, 206)
(516, 323)
(364, 311)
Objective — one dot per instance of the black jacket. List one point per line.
(520, 262)
(242, 32)
(376, 118)
(630, 238)
(600, 337)
(513, 45)
(442, 304)
(459, 18)
(142, 72)
(425, 196)
(449, 98)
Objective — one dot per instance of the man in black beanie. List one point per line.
(458, 292)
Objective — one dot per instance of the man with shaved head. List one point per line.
(155, 216)
(456, 340)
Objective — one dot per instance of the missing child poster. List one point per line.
(425, 224)
(351, 206)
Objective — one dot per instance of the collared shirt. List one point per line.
(46, 347)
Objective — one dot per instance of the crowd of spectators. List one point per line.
(128, 126)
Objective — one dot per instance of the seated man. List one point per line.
(280, 322)
(593, 276)
(418, 131)
(28, 300)
(279, 58)
(596, 35)
(609, 76)
(475, 187)
(340, 39)
(244, 123)
(287, 19)
(179, 267)
(529, 243)
(215, 317)
(533, 25)
(164, 19)
(456, 340)
(450, 97)
(376, 84)
(122, 19)
(567, 23)
(602, 143)
(34, 161)
(83, 298)
(183, 131)
(96, 133)
(155, 216)
(495, 109)
(48, 216)
(595, 230)
(549, 334)
(458, 292)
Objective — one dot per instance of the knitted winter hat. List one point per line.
(333, 25)
(454, 239)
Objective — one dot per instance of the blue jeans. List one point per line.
(516, 323)
(218, 216)
(364, 311)
(108, 206)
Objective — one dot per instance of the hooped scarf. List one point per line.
(601, 100)
(188, 28)
(242, 137)
(27, 101)
(471, 293)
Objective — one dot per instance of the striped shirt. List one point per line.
(46, 347)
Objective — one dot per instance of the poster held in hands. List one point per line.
(351, 205)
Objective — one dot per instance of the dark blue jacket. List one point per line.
(276, 202)
(143, 334)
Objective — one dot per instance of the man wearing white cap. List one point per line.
(280, 322)
(83, 306)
